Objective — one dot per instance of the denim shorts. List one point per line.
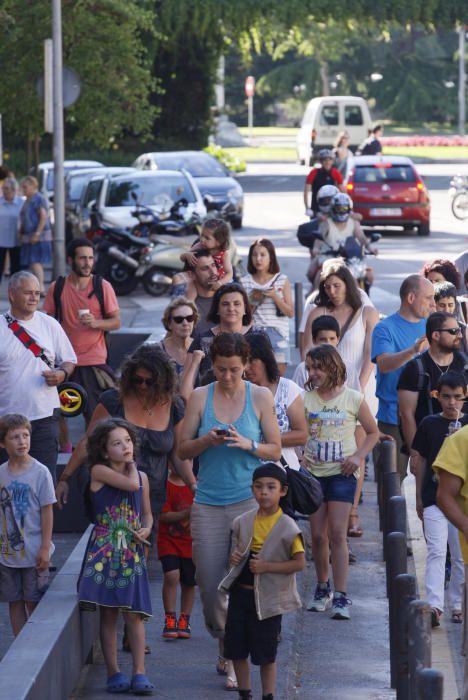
(338, 488)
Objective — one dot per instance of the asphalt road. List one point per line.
(274, 209)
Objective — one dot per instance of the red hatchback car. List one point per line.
(388, 191)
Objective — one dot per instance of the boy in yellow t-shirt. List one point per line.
(267, 550)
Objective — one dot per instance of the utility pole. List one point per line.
(59, 183)
(461, 80)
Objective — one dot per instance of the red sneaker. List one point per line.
(170, 627)
(184, 630)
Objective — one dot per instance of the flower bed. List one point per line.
(414, 141)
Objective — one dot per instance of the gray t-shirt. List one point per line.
(21, 498)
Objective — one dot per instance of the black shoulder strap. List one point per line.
(423, 383)
(58, 289)
(99, 293)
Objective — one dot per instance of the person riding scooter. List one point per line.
(341, 234)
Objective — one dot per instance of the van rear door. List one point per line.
(328, 123)
(354, 122)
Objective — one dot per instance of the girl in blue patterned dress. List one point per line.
(113, 574)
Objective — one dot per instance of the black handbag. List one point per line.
(304, 495)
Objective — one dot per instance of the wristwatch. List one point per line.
(254, 447)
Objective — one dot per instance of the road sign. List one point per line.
(250, 86)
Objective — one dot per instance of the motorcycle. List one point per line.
(166, 221)
(459, 194)
(119, 258)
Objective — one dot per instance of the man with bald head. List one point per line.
(28, 383)
(396, 340)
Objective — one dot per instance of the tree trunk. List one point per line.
(325, 78)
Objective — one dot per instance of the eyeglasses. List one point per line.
(143, 380)
(181, 319)
(452, 331)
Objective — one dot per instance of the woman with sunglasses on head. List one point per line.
(230, 311)
(179, 319)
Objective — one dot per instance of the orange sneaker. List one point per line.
(170, 626)
(184, 630)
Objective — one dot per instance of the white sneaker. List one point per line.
(340, 607)
(322, 598)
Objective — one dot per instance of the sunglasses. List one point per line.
(142, 380)
(181, 319)
(452, 331)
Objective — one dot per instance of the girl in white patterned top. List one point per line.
(270, 297)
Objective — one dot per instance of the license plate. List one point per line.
(385, 212)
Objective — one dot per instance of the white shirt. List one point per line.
(23, 389)
(286, 393)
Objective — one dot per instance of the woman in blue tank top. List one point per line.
(231, 427)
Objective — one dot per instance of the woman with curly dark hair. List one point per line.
(441, 270)
(147, 399)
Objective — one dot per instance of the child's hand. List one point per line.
(236, 557)
(190, 259)
(350, 465)
(258, 566)
(143, 534)
(42, 560)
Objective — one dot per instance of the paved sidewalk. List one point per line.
(319, 658)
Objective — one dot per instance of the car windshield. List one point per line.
(75, 187)
(149, 190)
(50, 175)
(384, 173)
(199, 165)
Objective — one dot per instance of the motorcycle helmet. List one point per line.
(325, 153)
(324, 197)
(341, 207)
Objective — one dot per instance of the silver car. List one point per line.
(158, 190)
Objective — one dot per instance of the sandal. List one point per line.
(231, 683)
(118, 683)
(435, 617)
(221, 666)
(457, 616)
(353, 527)
(141, 685)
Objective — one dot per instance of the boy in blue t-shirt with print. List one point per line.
(26, 519)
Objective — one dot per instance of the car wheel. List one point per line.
(237, 222)
(157, 288)
(460, 205)
(424, 230)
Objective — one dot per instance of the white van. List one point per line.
(325, 118)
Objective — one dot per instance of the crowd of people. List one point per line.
(188, 445)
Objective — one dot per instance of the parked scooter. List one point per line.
(119, 255)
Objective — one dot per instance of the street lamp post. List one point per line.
(59, 183)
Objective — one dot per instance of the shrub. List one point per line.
(227, 159)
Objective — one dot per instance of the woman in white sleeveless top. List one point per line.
(339, 297)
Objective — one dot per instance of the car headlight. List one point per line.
(235, 193)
